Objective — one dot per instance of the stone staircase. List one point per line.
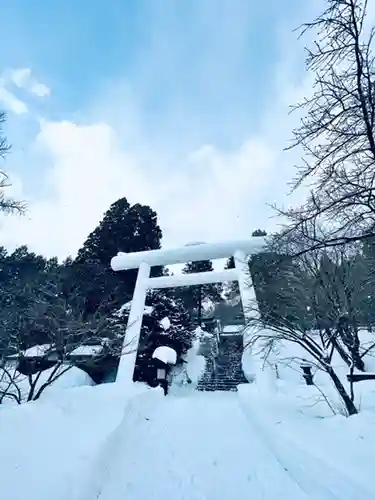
(224, 373)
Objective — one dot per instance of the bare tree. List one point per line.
(324, 292)
(337, 132)
(265, 336)
(25, 376)
(7, 205)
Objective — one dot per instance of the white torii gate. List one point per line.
(240, 250)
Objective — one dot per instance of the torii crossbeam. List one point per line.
(240, 250)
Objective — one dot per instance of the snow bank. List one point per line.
(68, 377)
(248, 365)
(284, 363)
(187, 375)
(73, 377)
(48, 446)
(136, 415)
(305, 422)
(195, 365)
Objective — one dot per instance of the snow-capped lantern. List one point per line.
(165, 357)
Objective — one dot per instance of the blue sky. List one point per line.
(171, 103)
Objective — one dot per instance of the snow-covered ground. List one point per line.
(268, 441)
(108, 443)
(47, 446)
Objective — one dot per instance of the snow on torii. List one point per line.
(240, 250)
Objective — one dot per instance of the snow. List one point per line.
(48, 446)
(66, 377)
(37, 351)
(125, 308)
(284, 362)
(208, 305)
(113, 441)
(88, 443)
(195, 365)
(177, 280)
(69, 379)
(171, 256)
(148, 310)
(228, 329)
(165, 323)
(200, 333)
(248, 364)
(180, 442)
(86, 350)
(166, 355)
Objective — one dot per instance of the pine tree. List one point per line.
(231, 288)
(178, 334)
(124, 228)
(194, 296)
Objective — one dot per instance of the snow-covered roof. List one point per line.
(86, 350)
(233, 328)
(37, 351)
(165, 354)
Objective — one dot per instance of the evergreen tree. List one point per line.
(124, 228)
(231, 288)
(194, 296)
(178, 333)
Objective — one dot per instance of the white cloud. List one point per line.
(200, 194)
(39, 89)
(20, 77)
(23, 78)
(212, 195)
(87, 173)
(11, 102)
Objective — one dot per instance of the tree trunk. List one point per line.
(200, 305)
(340, 350)
(350, 406)
(357, 360)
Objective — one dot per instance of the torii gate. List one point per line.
(240, 250)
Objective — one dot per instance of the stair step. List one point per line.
(212, 389)
(225, 372)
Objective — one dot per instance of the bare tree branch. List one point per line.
(337, 133)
